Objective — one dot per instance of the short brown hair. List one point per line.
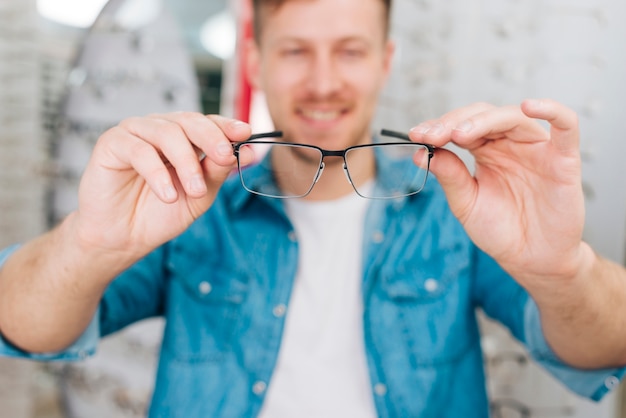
(261, 6)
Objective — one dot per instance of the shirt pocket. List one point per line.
(204, 308)
(428, 306)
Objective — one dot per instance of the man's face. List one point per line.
(322, 64)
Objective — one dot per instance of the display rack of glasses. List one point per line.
(21, 187)
(516, 385)
(119, 68)
(120, 72)
(21, 153)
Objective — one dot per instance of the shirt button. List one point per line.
(259, 387)
(380, 389)
(611, 382)
(279, 310)
(205, 288)
(431, 285)
(292, 236)
(378, 237)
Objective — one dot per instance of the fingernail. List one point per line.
(535, 103)
(464, 126)
(435, 130)
(238, 124)
(169, 192)
(224, 149)
(421, 129)
(197, 184)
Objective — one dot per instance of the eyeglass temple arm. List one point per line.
(405, 137)
(395, 134)
(273, 134)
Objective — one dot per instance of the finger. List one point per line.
(564, 130)
(212, 134)
(507, 122)
(215, 174)
(472, 126)
(456, 180)
(170, 140)
(129, 151)
(438, 131)
(221, 151)
(247, 156)
(235, 130)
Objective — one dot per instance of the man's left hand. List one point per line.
(524, 203)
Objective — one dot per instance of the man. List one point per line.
(328, 304)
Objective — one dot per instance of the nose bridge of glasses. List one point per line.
(334, 153)
(328, 153)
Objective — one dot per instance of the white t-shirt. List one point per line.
(322, 369)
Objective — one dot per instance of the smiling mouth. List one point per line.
(321, 115)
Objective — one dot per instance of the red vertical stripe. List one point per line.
(244, 33)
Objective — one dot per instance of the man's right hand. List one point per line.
(145, 183)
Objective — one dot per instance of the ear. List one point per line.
(253, 63)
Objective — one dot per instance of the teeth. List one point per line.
(321, 114)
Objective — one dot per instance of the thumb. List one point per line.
(456, 180)
(216, 173)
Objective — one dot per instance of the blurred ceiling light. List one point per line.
(218, 35)
(78, 13)
(134, 14)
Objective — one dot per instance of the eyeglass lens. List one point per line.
(408, 178)
(294, 169)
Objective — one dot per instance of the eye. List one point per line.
(352, 52)
(293, 52)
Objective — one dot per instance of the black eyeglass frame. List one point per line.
(256, 139)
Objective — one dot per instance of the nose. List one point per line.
(324, 75)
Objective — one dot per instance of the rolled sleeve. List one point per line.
(592, 384)
(6, 253)
(84, 347)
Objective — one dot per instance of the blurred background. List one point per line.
(70, 69)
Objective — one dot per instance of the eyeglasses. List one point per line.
(297, 167)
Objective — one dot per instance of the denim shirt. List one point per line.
(224, 284)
